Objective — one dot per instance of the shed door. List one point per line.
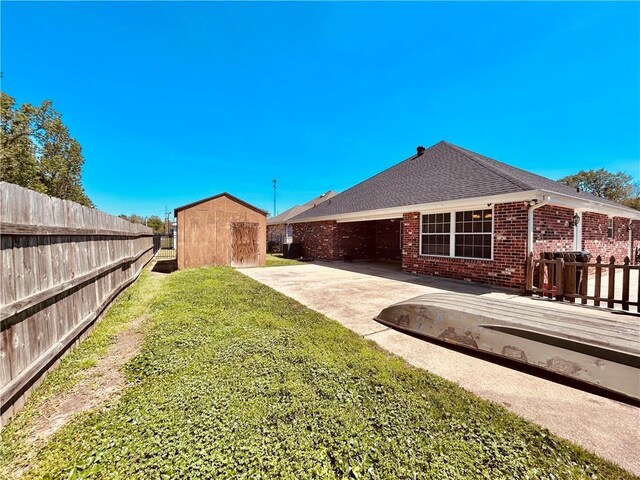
(244, 244)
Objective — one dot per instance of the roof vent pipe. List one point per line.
(420, 150)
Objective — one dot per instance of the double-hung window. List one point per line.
(465, 234)
(610, 228)
(436, 234)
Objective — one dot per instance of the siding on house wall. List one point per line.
(507, 268)
(595, 240)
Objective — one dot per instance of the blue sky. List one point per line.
(173, 102)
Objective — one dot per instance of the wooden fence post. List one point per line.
(541, 275)
(612, 282)
(584, 282)
(625, 284)
(596, 288)
(570, 279)
(551, 274)
(559, 279)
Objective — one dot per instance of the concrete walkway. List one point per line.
(354, 293)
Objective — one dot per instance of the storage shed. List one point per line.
(221, 230)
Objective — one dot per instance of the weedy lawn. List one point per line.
(279, 261)
(238, 381)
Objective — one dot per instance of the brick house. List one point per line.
(279, 230)
(451, 212)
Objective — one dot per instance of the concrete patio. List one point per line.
(353, 293)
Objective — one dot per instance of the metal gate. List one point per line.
(163, 246)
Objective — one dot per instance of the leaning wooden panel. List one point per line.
(596, 349)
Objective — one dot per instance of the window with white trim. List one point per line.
(436, 234)
(469, 235)
(610, 228)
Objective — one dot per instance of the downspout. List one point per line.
(533, 205)
(631, 257)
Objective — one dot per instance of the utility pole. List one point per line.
(166, 220)
(275, 181)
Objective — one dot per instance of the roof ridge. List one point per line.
(478, 159)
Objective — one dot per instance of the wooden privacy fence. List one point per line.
(62, 265)
(600, 284)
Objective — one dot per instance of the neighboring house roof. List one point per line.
(285, 216)
(223, 194)
(442, 173)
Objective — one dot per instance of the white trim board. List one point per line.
(557, 199)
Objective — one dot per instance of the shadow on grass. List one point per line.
(165, 266)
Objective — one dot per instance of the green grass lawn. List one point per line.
(238, 381)
(278, 261)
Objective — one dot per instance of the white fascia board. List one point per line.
(583, 205)
(396, 212)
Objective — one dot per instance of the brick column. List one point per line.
(410, 241)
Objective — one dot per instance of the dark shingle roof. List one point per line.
(444, 172)
(223, 194)
(293, 211)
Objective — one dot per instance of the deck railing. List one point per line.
(599, 284)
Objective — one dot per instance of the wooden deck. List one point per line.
(599, 349)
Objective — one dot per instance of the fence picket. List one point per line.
(625, 284)
(48, 243)
(584, 282)
(598, 281)
(612, 282)
(569, 279)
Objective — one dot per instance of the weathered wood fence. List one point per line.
(62, 265)
(599, 284)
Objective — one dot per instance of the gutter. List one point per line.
(592, 205)
(534, 205)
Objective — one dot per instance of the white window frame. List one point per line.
(452, 233)
(610, 228)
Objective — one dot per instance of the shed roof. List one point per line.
(293, 211)
(223, 194)
(444, 172)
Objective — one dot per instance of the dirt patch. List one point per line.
(98, 385)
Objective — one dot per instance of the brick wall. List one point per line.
(355, 241)
(376, 239)
(552, 229)
(275, 234)
(388, 239)
(509, 252)
(596, 241)
(318, 239)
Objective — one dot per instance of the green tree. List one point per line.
(156, 223)
(634, 200)
(602, 183)
(38, 152)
